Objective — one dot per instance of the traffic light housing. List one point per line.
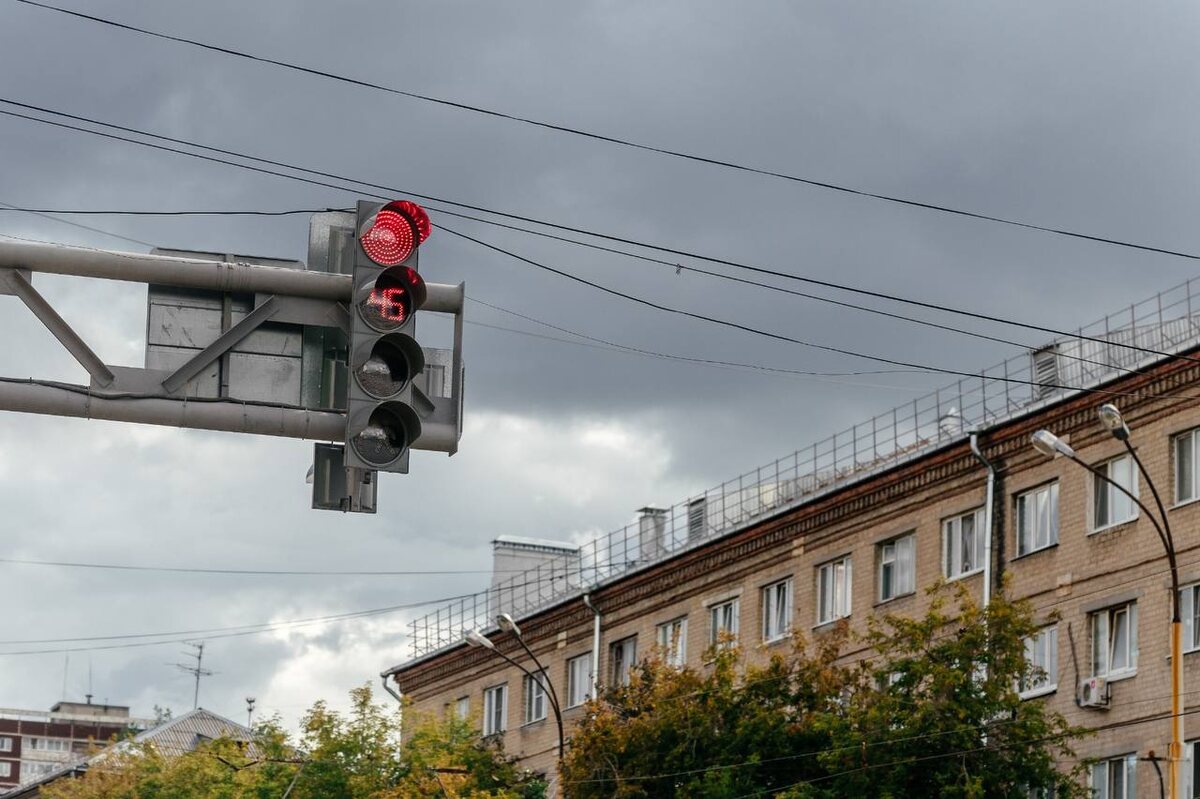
(384, 407)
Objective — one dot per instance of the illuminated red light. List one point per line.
(394, 232)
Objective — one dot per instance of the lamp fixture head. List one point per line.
(507, 623)
(1110, 417)
(1050, 445)
(476, 638)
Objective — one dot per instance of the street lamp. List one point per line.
(508, 624)
(1050, 445)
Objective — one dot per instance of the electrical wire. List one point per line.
(766, 333)
(205, 634)
(622, 142)
(50, 216)
(392, 191)
(255, 572)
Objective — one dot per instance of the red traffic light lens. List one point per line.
(392, 235)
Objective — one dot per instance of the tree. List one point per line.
(357, 755)
(928, 707)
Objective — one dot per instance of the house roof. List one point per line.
(177, 736)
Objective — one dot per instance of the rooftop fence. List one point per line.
(1126, 340)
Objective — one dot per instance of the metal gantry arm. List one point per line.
(116, 393)
(18, 284)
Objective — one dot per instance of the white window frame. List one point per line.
(1189, 606)
(535, 698)
(6, 768)
(1037, 519)
(462, 708)
(1186, 446)
(1041, 650)
(622, 657)
(1106, 784)
(777, 610)
(6, 743)
(495, 709)
(962, 552)
(1191, 777)
(672, 640)
(1102, 629)
(723, 618)
(1107, 499)
(898, 556)
(579, 679)
(834, 590)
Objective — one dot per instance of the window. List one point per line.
(1189, 610)
(963, 544)
(535, 698)
(1191, 771)
(1114, 641)
(1186, 488)
(1041, 652)
(48, 744)
(1115, 778)
(777, 610)
(724, 623)
(833, 590)
(31, 771)
(672, 639)
(5, 743)
(896, 568)
(1040, 793)
(1037, 519)
(6, 768)
(462, 708)
(579, 680)
(495, 710)
(622, 656)
(1111, 506)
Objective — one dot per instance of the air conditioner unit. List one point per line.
(1093, 692)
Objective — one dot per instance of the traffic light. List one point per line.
(383, 406)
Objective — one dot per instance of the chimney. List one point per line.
(652, 524)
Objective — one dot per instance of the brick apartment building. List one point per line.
(34, 743)
(862, 523)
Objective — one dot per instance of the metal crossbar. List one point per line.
(1118, 343)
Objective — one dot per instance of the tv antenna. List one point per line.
(197, 671)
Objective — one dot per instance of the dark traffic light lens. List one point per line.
(384, 438)
(386, 371)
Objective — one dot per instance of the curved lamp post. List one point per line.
(1051, 445)
(506, 622)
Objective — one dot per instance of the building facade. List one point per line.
(854, 541)
(34, 743)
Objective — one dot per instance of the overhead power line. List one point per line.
(770, 334)
(210, 633)
(392, 191)
(257, 572)
(615, 140)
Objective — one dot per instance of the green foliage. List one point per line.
(928, 707)
(357, 755)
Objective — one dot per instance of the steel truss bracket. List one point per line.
(16, 282)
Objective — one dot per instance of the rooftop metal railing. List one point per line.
(1120, 342)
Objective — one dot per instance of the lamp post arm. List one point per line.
(1170, 538)
(1162, 536)
(542, 669)
(547, 683)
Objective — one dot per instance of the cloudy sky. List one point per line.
(1077, 115)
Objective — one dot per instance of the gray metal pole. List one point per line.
(61, 259)
(223, 415)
